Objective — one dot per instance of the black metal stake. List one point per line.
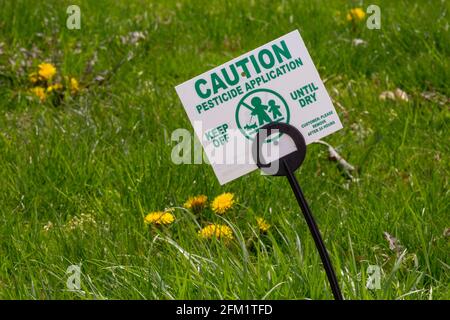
(286, 167)
(334, 284)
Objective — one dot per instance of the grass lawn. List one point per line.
(81, 168)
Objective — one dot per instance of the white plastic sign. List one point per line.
(276, 82)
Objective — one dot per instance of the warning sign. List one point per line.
(276, 82)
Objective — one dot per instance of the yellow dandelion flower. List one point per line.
(356, 14)
(197, 203)
(263, 225)
(39, 92)
(159, 218)
(33, 77)
(54, 87)
(74, 85)
(222, 203)
(218, 231)
(46, 71)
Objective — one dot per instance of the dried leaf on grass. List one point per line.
(436, 97)
(397, 94)
(335, 156)
(394, 243)
(446, 232)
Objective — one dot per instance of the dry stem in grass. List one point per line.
(335, 156)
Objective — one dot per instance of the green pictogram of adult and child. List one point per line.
(252, 113)
(260, 111)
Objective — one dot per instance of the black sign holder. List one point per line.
(286, 166)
